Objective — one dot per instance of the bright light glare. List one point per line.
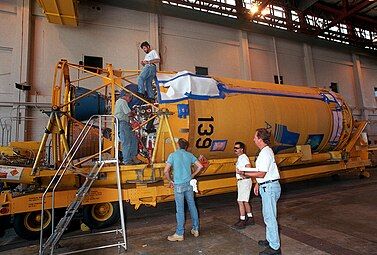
(265, 11)
(254, 9)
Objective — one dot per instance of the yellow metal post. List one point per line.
(62, 134)
(361, 126)
(170, 132)
(159, 129)
(43, 144)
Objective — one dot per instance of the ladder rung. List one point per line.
(108, 161)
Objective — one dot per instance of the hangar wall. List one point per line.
(115, 33)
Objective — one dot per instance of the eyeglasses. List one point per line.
(236, 148)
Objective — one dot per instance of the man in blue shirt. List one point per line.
(181, 162)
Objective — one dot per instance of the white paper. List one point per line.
(194, 185)
(249, 169)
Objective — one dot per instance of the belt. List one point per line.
(243, 179)
(268, 181)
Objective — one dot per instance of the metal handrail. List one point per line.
(6, 124)
(78, 140)
(67, 161)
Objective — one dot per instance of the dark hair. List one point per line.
(241, 144)
(144, 44)
(183, 144)
(264, 134)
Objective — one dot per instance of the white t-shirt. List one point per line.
(266, 163)
(151, 55)
(242, 161)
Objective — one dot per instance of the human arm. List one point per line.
(126, 109)
(199, 167)
(247, 166)
(256, 189)
(242, 169)
(153, 61)
(153, 58)
(167, 174)
(254, 174)
(131, 114)
(263, 163)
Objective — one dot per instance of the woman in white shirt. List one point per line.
(267, 176)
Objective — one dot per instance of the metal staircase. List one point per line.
(49, 246)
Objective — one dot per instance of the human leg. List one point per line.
(149, 80)
(189, 195)
(148, 86)
(141, 80)
(241, 208)
(180, 214)
(123, 139)
(243, 187)
(249, 215)
(134, 146)
(270, 194)
(179, 198)
(247, 207)
(126, 149)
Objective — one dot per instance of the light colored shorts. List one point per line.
(244, 189)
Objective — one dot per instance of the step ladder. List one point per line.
(49, 246)
(72, 208)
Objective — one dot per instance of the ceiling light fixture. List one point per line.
(254, 9)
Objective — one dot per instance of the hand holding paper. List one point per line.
(194, 185)
(248, 169)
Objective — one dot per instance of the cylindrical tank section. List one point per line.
(88, 106)
(294, 115)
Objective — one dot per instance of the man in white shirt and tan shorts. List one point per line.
(244, 185)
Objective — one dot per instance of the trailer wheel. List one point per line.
(101, 215)
(4, 223)
(28, 225)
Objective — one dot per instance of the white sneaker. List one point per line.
(195, 232)
(175, 237)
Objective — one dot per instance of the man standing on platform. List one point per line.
(148, 72)
(126, 135)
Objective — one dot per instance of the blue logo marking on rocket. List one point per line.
(286, 138)
(314, 141)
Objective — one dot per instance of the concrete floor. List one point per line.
(316, 217)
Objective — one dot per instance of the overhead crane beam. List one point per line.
(305, 4)
(346, 13)
(366, 21)
(63, 12)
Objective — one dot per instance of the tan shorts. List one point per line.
(244, 189)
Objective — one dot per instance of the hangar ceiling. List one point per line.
(348, 23)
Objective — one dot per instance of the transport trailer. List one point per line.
(313, 131)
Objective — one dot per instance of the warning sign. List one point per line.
(10, 172)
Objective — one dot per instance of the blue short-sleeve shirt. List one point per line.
(181, 161)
